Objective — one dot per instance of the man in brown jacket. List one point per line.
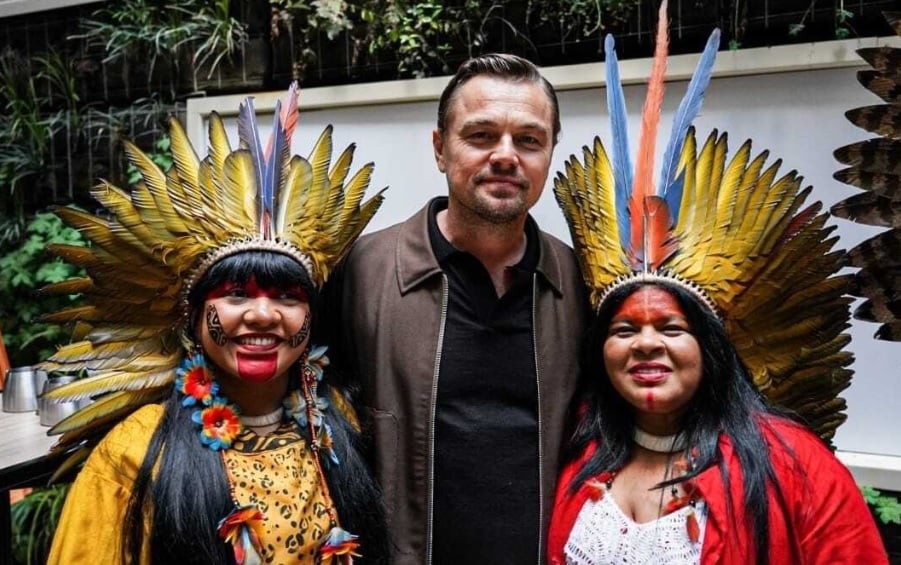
(462, 327)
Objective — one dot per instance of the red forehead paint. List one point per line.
(253, 290)
(649, 305)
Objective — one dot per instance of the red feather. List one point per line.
(643, 183)
(595, 488)
(694, 530)
(797, 223)
(658, 242)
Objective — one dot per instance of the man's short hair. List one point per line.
(503, 66)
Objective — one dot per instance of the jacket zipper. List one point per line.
(540, 434)
(431, 485)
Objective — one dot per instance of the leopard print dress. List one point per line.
(277, 473)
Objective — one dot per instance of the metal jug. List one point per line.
(19, 394)
(53, 412)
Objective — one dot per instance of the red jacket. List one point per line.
(829, 520)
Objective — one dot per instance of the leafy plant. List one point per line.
(415, 31)
(25, 133)
(23, 270)
(842, 19)
(419, 36)
(582, 17)
(887, 508)
(136, 31)
(303, 21)
(34, 520)
(222, 36)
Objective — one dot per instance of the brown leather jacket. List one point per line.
(394, 302)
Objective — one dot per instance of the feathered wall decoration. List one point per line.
(874, 166)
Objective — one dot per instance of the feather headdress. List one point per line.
(729, 231)
(156, 241)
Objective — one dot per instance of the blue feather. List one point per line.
(673, 196)
(249, 138)
(622, 163)
(685, 115)
(274, 161)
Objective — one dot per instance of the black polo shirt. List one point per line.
(486, 497)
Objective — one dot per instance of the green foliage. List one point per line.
(420, 35)
(303, 21)
(843, 17)
(24, 269)
(143, 31)
(34, 520)
(582, 17)
(221, 35)
(26, 129)
(887, 508)
(416, 32)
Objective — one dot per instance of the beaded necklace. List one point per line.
(219, 423)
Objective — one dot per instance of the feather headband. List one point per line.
(731, 232)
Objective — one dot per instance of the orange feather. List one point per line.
(643, 183)
(694, 530)
(658, 243)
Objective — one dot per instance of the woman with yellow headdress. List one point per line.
(202, 284)
(715, 349)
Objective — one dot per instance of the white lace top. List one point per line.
(604, 535)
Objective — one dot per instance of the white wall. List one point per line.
(798, 116)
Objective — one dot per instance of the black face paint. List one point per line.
(296, 339)
(214, 326)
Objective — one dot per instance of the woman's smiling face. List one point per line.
(652, 358)
(253, 333)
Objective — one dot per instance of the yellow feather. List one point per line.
(74, 460)
(353, 194)
(341, 167)
(124, 246)
(760, 201)
(123, 332)
(158, 371)
(367, 210)
(320, 158)
(155, 181)
(185, 161)
(293, 196)
(219, 145)
(239, 198)
(106, 409)
(144, 203)
(118, 202)
(89, 351)
(587, 198)
(71, 286)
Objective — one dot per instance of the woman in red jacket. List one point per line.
(717, 296)
(677, 458)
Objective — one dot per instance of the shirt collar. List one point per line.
(444, 250)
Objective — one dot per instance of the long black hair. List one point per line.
(726, 402)
(183, 484)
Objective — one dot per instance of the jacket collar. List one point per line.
(415, 261)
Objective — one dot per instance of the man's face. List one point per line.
(497, 147)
